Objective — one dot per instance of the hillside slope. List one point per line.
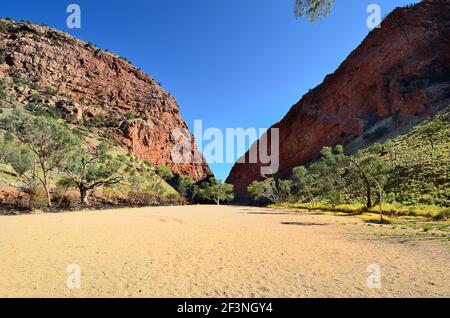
(48, 70)
(421, 164)
(399, 74)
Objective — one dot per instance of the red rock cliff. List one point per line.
(47, 67)
(402, 68)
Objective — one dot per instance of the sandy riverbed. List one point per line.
(206, 251)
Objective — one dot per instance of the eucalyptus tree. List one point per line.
(313, 9)
(215, 190)
(50, 142)
(88, 170)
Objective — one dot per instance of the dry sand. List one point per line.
(206, 251)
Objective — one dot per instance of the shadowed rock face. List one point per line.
(57, 70)
(403, 68)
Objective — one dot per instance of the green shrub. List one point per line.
(2, 90)
(51, 112)
(89, 45)
(130, 115)
(114, 121)
(17, 79)
(2, 57)
(65, 198)
(50, 91)
(395, 210)
(35, 198)
(3, 27)
(377, 134)
(165, 172)
(35, 82)
(173, 199)
(126, 60)
(98, 121)
(381, 132)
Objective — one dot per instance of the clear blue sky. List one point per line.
(230, 63)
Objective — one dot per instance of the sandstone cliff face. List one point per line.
(403, 68)
(46, 67)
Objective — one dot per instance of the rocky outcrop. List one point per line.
(45, 67)
(402, 68)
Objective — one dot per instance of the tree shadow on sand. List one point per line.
(304, 223)
(255, 211)
(270, 213)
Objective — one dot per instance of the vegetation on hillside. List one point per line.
(421, 164)
(59, 152)
(45, 158)
(53, 164)
(49, 142)
(407, 176)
